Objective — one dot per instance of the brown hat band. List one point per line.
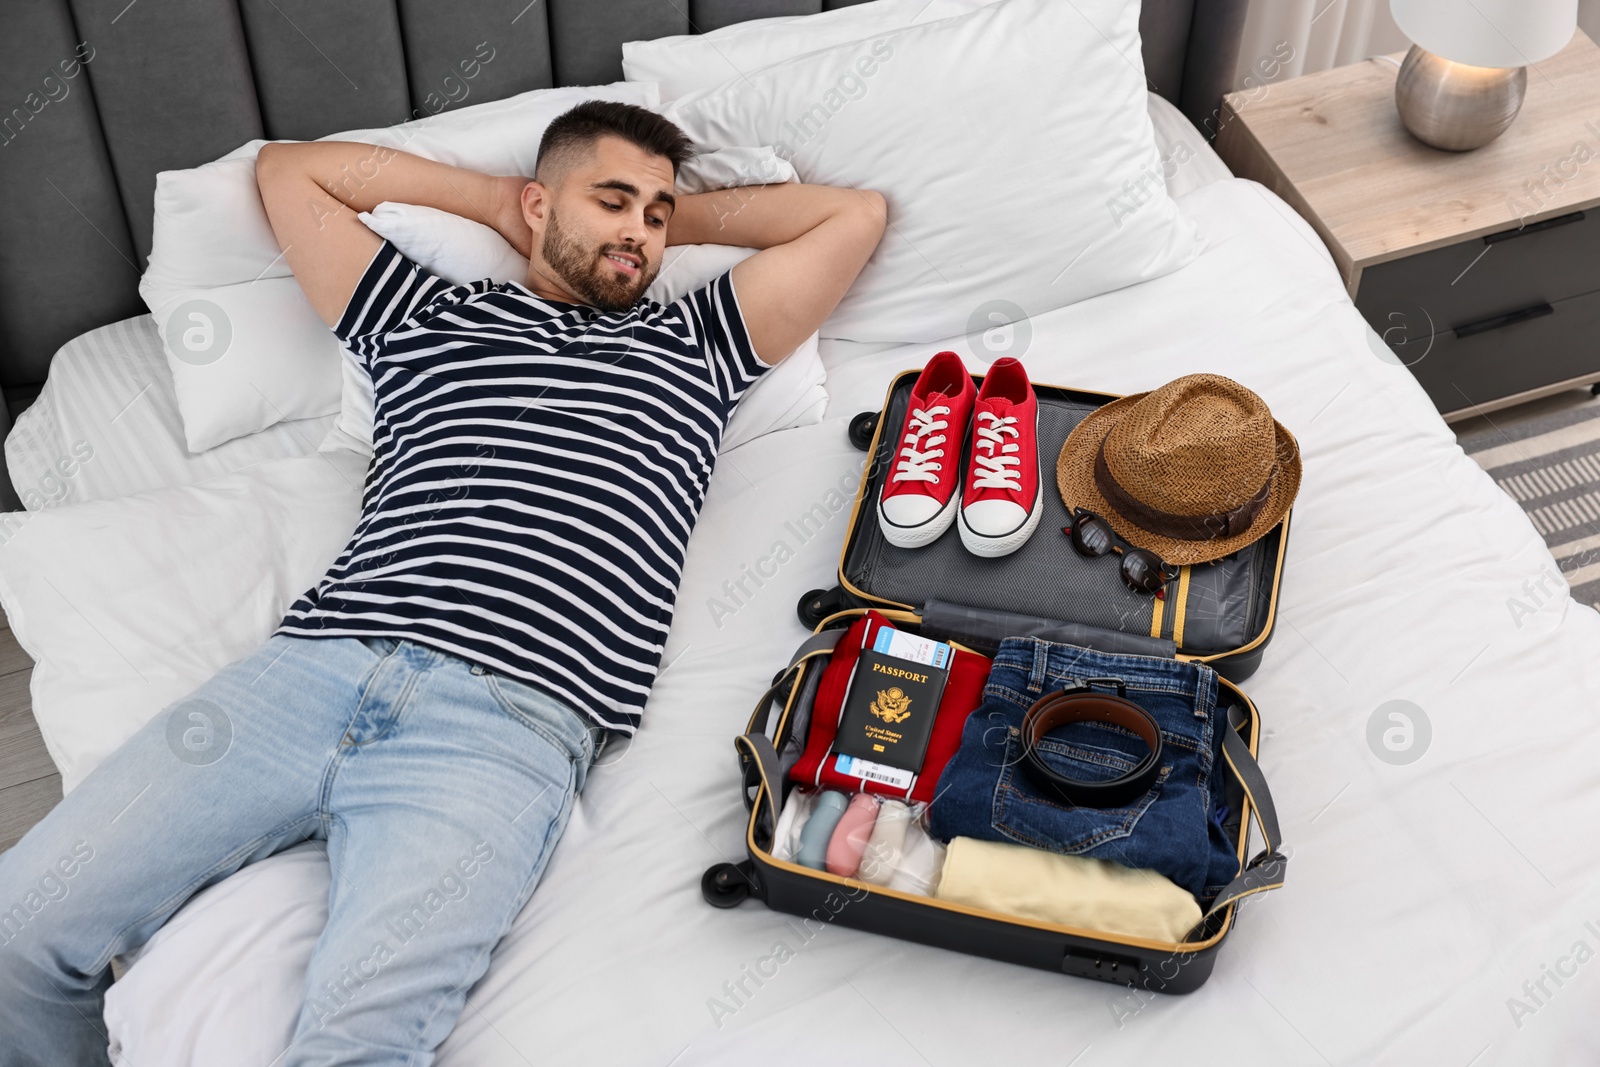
(1169, 524)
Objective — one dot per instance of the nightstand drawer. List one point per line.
(1497, 361)
(1477, 279)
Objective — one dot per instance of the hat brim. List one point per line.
(1075, 480)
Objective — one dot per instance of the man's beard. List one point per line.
(589, 274)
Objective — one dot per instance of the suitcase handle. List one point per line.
(1266, 871)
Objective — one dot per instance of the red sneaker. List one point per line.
(1003, 500)
(919, 498)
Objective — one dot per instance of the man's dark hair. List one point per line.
(575, 132)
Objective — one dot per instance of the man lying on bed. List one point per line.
(432, 706)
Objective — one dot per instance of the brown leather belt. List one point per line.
(1084, 705)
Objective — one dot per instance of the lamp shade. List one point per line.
(1488, 33)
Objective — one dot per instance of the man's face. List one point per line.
(604, 226)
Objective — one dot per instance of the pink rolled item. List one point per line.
(850, 837)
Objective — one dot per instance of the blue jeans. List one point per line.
(1174, 828)
(440, 788)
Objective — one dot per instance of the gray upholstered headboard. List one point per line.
(175, 83)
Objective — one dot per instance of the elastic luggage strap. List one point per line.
(986, 628)
(758, 757)
(756, 751)
(809, 649)
(1268, 868)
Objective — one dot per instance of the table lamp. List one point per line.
(1462, 83)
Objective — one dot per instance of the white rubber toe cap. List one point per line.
(994, 518)
(914, 520)
(910, 509)
(999, 527)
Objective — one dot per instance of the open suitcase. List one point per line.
(1220, 614)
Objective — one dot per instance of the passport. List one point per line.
(891, 704)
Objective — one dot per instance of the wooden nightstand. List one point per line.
(1480, 269)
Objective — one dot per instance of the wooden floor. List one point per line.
(29, 784)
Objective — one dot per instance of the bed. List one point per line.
(1444, 896)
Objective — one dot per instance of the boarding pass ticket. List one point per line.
(873, 772)
(900, 644)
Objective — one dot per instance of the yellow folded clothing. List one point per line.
(1070, 890)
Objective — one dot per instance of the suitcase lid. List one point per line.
(1218, 613)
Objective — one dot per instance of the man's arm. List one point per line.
(312, 191)
(815, 240)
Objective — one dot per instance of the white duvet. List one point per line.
(1436, 911)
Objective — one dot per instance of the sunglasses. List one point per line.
(1142, 570)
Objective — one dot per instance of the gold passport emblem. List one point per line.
(892, 705)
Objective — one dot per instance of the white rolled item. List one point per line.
(886, 846)
(921, 860)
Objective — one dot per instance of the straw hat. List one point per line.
(1191, 471)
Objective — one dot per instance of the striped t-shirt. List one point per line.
(537, 468)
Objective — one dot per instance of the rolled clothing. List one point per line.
(907, 859)
(921, 860)
(886, 846)
(850, 837)
(818, 831)
(1090, 894)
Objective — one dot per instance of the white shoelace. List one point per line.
(919, 464)
(995, 471)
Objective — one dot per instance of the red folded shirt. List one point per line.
(963, 692)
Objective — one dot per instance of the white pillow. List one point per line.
(457, 249)
(692, 62)
(246, 348)
(1013, 145)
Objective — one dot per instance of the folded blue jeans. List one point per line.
(1174, 828)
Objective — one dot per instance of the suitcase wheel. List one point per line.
(818, 605)
(862, 427)
(727, 885)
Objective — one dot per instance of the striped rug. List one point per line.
(1551, 466)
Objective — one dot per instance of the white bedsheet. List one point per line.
(1420, 900)
(126, 605)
